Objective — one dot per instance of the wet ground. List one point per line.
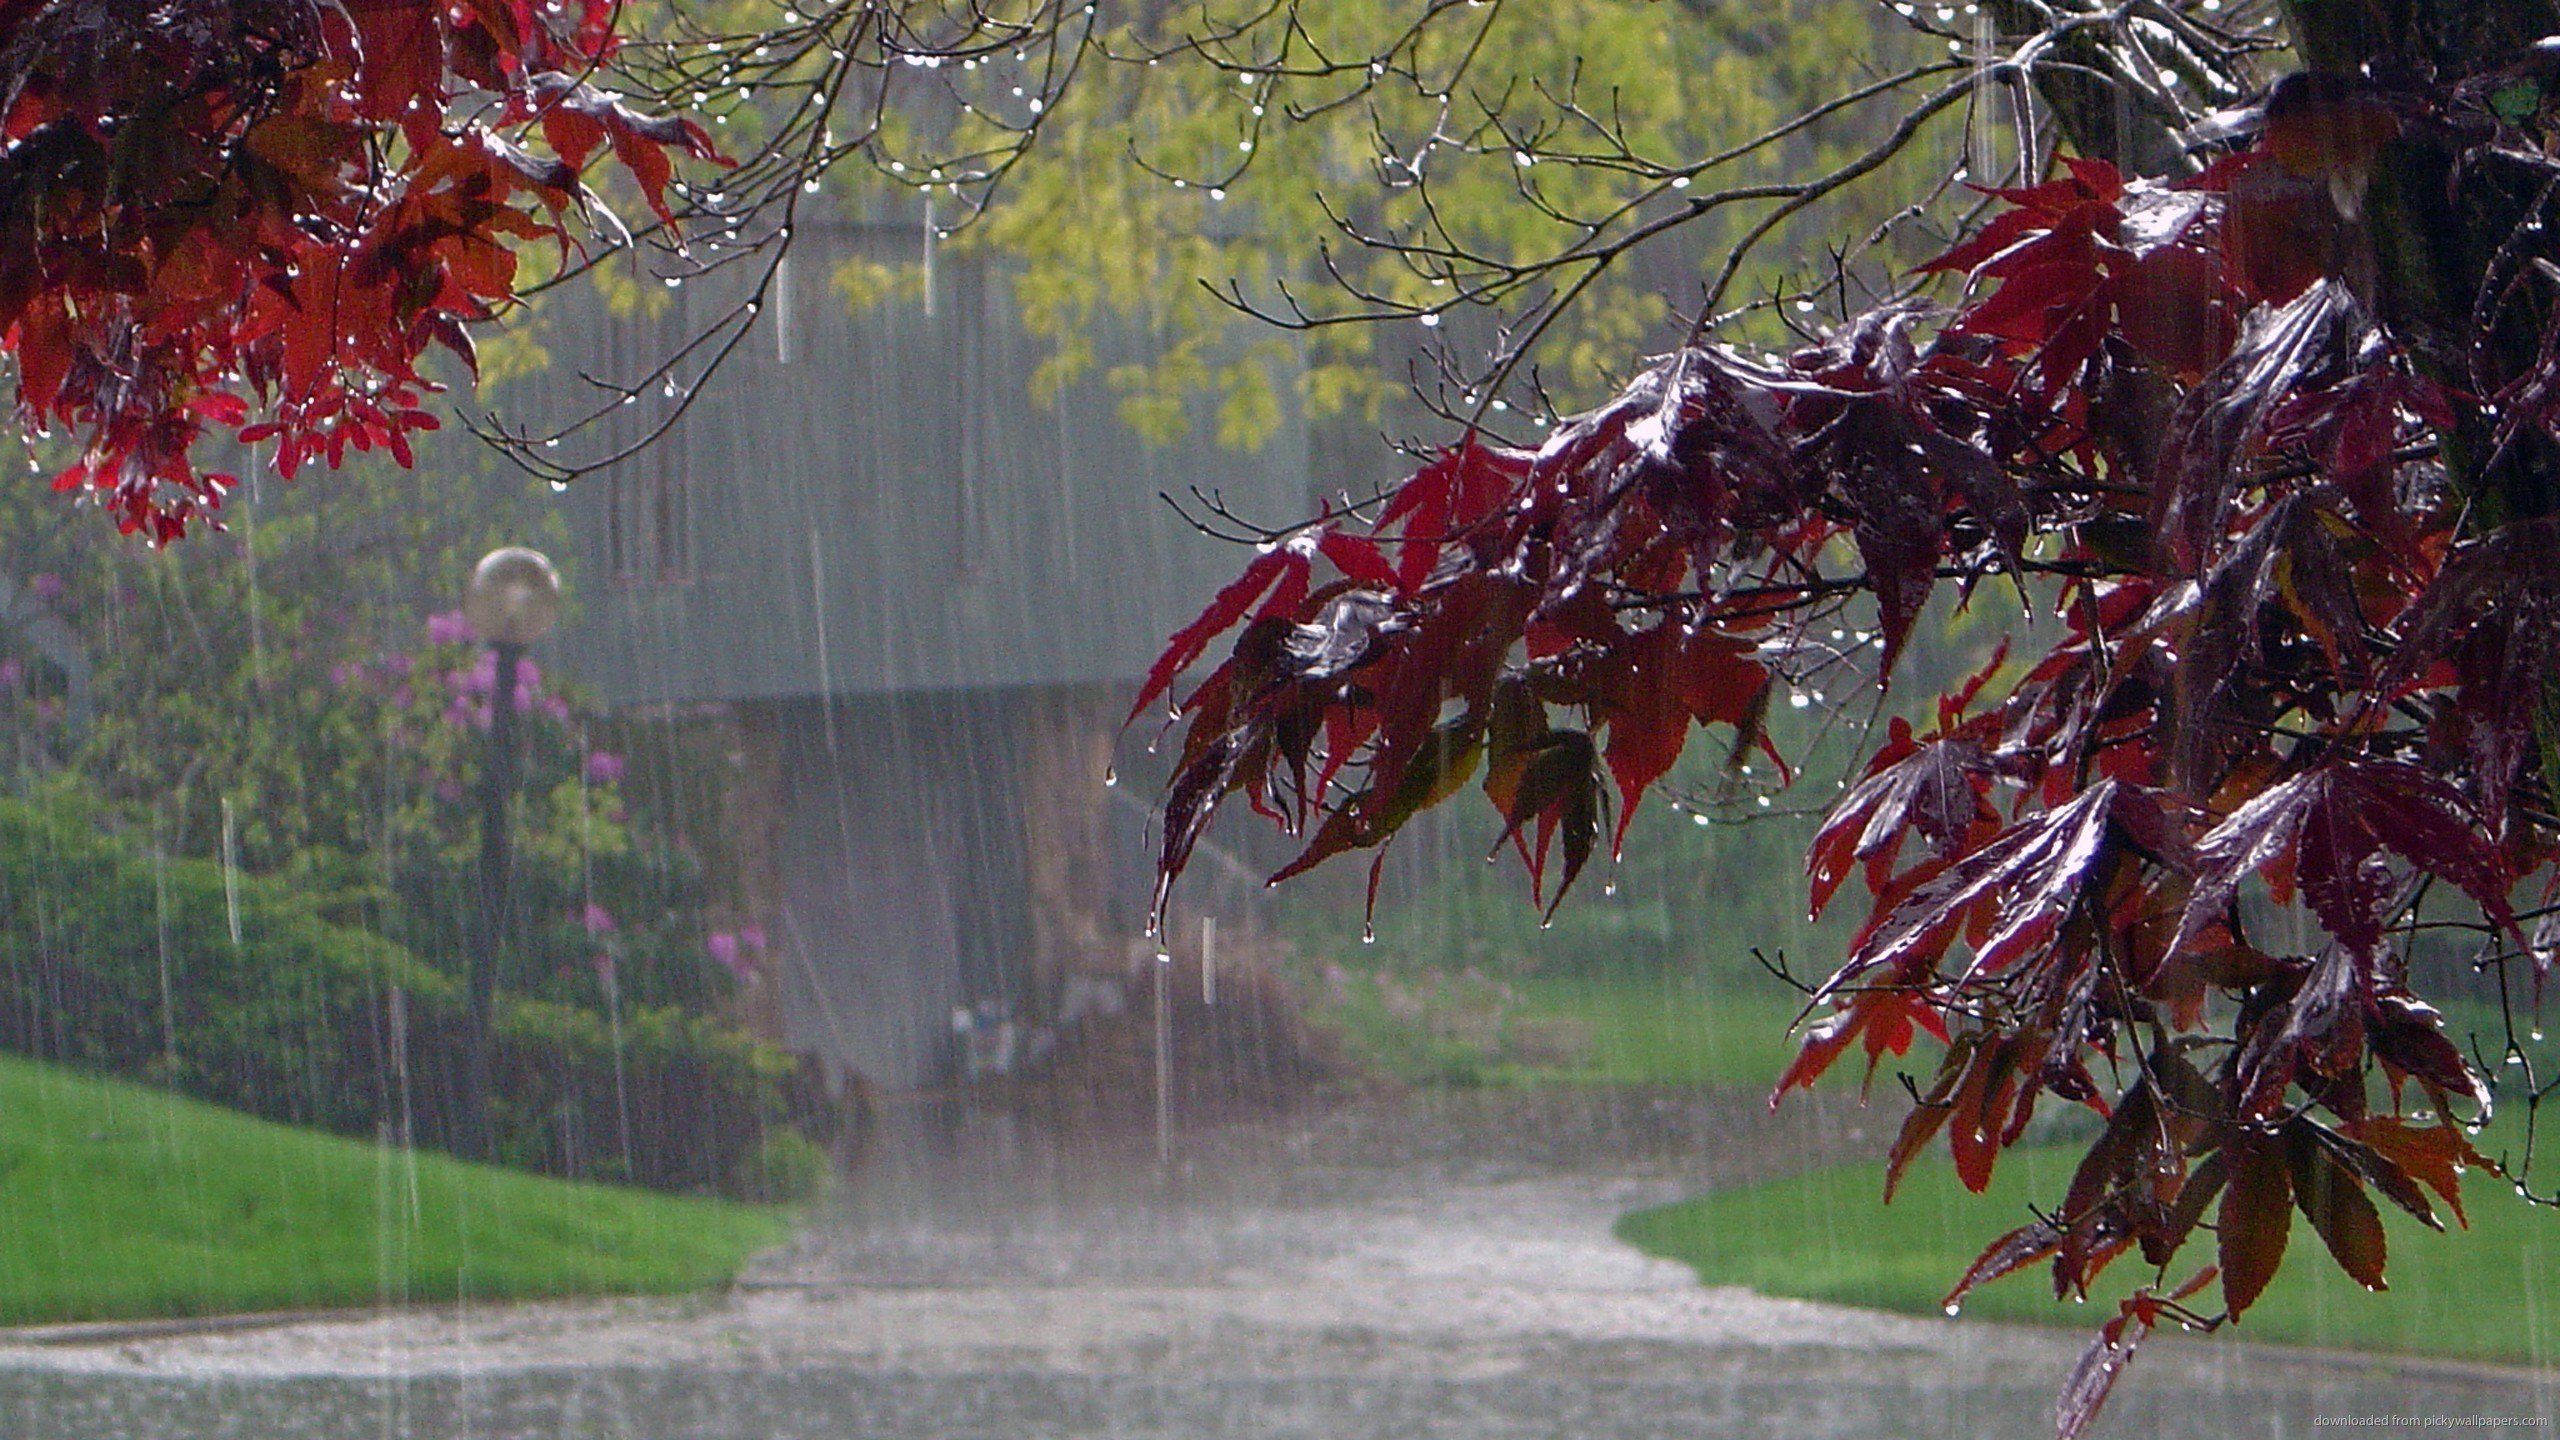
(1425, 1266)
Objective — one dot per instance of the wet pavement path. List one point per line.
(1436, 1266)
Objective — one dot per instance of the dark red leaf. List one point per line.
(2174, 306)
(1445, 499)
(2374, 1168)
(2435, 1155)
(2222, 420)
(2333, 1200)
(1825, 1042)
(639, 141)
(2494, 613)
(2017, 887)
(2331, 825)
(1358, 559)
(2099, 1367)
(2010, 1253)
(2257, 1210)
(1280, 574)
(1936, 787)
(2407, 1036)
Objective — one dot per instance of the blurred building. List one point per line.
(922, 599)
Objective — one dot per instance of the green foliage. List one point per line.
(788, 1168)
(126, 1202)
(117, 960)
(299, 693)
(1165, 182)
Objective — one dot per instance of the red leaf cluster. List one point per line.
(255, 216)
(2294, 664)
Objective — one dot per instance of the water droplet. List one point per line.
(1954, 1307)
(1368, 934)
(1111, 777)
(674, 282)
(1609, 887)
(1163, 956)
(559, 487)
(2535, 1034)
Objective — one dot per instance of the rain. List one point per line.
(649, 925)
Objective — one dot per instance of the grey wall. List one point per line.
(874, 504)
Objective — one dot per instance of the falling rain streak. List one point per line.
(830, 1053)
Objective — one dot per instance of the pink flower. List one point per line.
(402, 698)
(450, 627)
(556, 707)
(604, 970)
(599, 919)
(724, 948)
(603, 767)
(752, 937)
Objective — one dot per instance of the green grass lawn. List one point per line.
(1634, 1025)
(118, 1201)
(2489, 1293)
(1668, 1029)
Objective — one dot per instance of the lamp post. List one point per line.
(513, 600)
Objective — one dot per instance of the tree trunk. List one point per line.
(2438, 233)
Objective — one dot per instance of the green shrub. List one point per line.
(117, 961)
(788, 1168)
